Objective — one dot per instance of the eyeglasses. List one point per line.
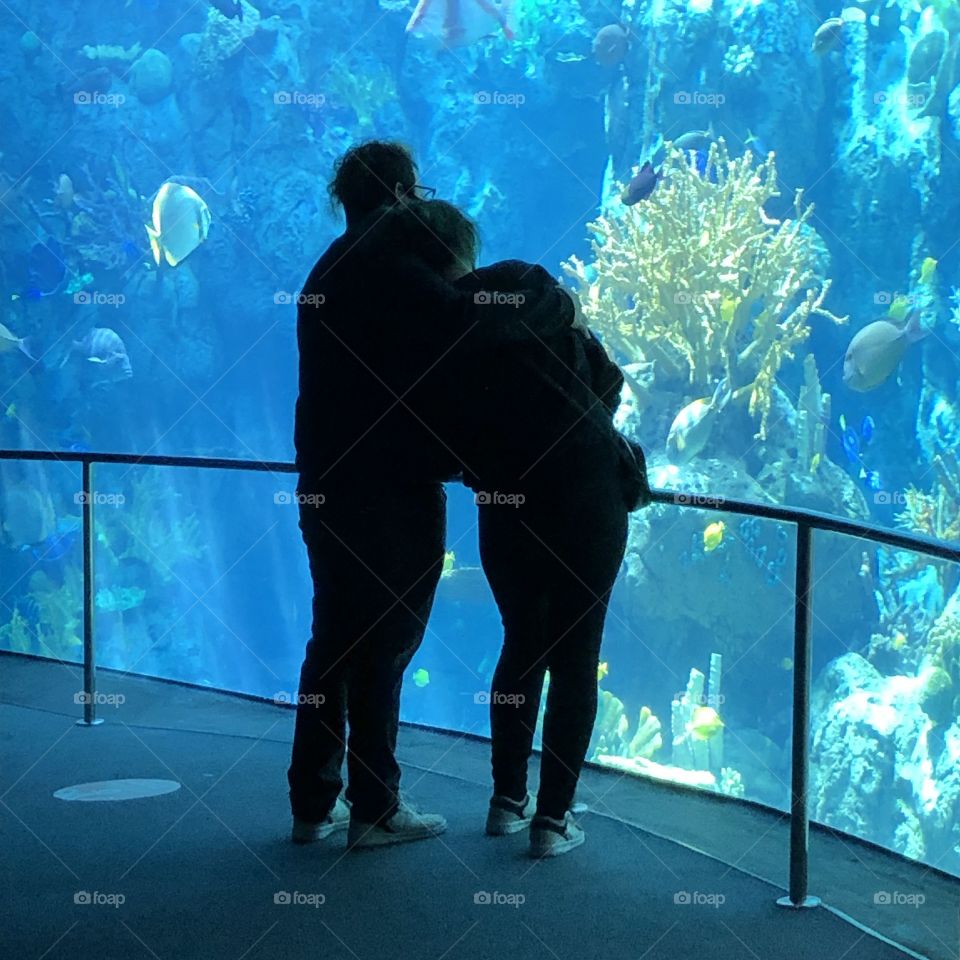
(418, 191)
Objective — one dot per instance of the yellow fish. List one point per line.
(421, 677)
(449, 559)
(181, 220)
(899, 309)
(713, 536)
(602, 670)
(899, 640)
(927, 269)
(786, 664)
(705, 723)
(815, 462)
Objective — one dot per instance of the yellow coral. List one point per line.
(701, 281)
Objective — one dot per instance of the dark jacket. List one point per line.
(538, 415)
(376, 327)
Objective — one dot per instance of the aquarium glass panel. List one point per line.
(41, 572)
(884, 741)
(200, 576)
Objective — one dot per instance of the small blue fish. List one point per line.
(867, 430)
(700, 159)
(871, 480)
(851, 445)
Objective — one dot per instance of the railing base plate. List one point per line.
(806, 903)
(90, 723)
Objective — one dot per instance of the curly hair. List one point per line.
(371, 174)
(438, 231)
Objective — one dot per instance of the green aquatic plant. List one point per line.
(57, 630)
(700, 281)
(149, 527)
(17, 635)
(365, 90)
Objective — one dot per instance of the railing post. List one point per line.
(89, 649)
(800, 775)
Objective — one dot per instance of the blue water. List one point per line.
(201, 576)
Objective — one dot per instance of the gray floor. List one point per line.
(199, 870)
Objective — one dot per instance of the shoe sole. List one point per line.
(546, 851)
(370, 841)
(320, 833)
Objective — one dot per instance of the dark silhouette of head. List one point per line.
(441, 233)
(371, 174)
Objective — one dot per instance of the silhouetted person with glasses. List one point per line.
(372, 323)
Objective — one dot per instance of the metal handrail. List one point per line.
(806, 522)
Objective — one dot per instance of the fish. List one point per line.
(713, 536)
(63, 192)
(181, 220)
(704, 724)
(701, 159)
(849, 440)
(421, 677)
(459, 23)
(927, 269)
(106, 353)
(9, 341)
(11, 412)
(867, 430)
(754, 143)
(641, 186)
(231, 9)
(786, 663)
(610, 45)
(899, 309)
(828, 36)
(692, 426)
(603, 669)
(449, 562)
(899, 640)
(871, 479)
(815, 461)
(875, 352)
(696, 139)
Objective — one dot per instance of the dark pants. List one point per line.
(551, 563)
(375, 560)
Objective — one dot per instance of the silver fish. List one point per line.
(106, 353)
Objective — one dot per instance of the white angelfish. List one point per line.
(692, 426)
(181, 220)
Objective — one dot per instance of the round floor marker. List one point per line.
(117, 790)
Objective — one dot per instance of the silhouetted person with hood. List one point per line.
(531, 423)
(372, 322)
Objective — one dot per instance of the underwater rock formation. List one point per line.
(882, 767)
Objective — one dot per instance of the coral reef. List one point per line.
(152, 76)
(611, 736)
(700, 281)
(813, 417)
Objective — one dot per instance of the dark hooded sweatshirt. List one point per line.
(378, 332)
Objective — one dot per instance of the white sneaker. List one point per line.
(550, 838)
(306, 832)
(506, 816)
(405, 825)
